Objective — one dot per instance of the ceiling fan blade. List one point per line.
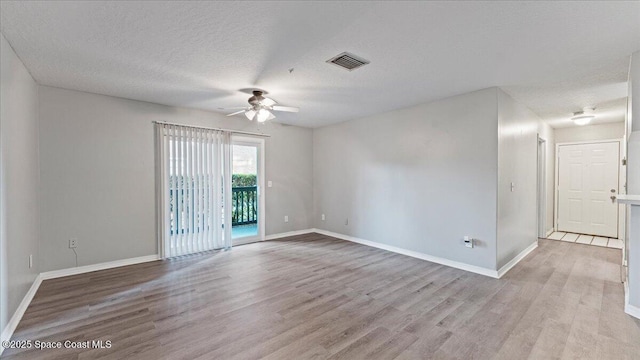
(237, 112)
(285, 108)
(233, 108)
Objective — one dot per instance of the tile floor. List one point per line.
(586, 239)
(241, 231)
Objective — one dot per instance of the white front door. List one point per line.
(587, 179)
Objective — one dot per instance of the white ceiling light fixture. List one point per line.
(249, 114)
(261, 107)
(583, 117)
(264, 115)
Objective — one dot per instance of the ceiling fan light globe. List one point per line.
(250, 114)
(263, 115)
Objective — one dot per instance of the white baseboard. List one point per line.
(287, 234)
(628, 308)
(503, 270)
(95, 267)
(632, 310)
(17, 315)
(24, 304)
(414, 254)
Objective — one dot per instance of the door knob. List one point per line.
(613, 199)
(613, 191)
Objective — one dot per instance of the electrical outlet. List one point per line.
(30, 261)
(73, 243)
(323, 218)
(513, 187)
(286, 218)
(468, 241)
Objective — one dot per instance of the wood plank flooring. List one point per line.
(316, 297)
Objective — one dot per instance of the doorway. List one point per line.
(587, 186)
(247, 202)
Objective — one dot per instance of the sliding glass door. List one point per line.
(193, 177)
(247, 204)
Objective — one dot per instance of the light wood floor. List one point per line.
(312, 296)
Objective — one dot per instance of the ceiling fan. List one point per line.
(261, 108)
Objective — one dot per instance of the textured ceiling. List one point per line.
(555, 57)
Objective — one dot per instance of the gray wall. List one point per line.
(590, 132)
(419, 178)
(18, 181)
(517, 163)
(97, 174)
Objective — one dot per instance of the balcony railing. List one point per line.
(244, 209)
(245, 205)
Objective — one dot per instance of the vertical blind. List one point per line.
(193, 186)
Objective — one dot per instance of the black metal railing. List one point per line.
(244, 205)
(244, 210)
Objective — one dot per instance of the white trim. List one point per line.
(588, 142)
(95, 267)
(503, 270)
(24, 304)
(628, 308)
(622, 190)
(289, 233)
(455, 264)
(632, 310)
(414, 254)
(629, 199)
(550, 231)
(541, 186)
(17, 315)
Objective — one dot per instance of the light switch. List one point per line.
(269, 183)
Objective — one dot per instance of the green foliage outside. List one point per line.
(239, 180)
(243, 201)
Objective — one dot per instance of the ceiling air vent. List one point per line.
(348, 61)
